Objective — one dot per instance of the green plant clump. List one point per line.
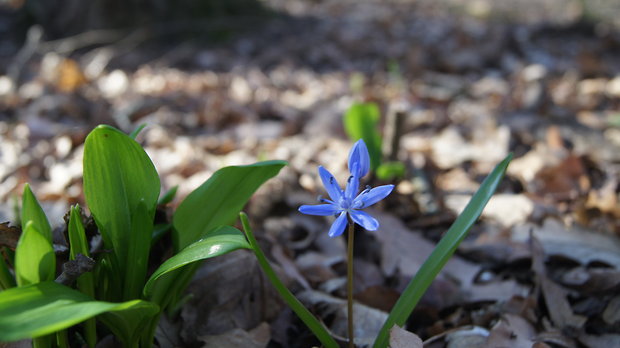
(122, 191)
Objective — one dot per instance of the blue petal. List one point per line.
(321, 209)
(338, 225)
(353, 185)
(365, 220)
(330, 183)
(359, 154)
(372, 196)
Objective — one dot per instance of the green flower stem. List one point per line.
(313, 324)
(350, 284)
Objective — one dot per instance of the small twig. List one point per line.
(33, 41)
(71, 270)
(393, 130)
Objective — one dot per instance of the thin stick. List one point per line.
(350, 284)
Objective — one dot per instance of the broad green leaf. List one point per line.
(139, 247)
(118, 177)
(34, 257)
(221, 241)
(78, 244)
(218, 200)
(442, 253)
(39, 309)
(215, 203)
(32, 211)
(361, 121)
(304, 314)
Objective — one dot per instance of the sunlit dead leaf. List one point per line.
(401, 338)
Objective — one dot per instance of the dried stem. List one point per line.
(71, 270)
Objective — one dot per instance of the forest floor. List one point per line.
(542, 266)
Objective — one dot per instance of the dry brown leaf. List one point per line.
(573, 243)
(507, 209)
(288, 266)
(70, 76)
(367, 321)
(555, 296)
(611, 315)
(563, 181)
(401, 338)
(466, 337)
(602, 341)
(592, 281)
(256, 338)
(556, 339)
(9, 235)
(242, 299)
(405, 251)
(511, 331)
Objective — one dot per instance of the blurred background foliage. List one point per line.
(62, 18)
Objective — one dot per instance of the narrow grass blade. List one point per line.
(313, 324)
(442, 253)
(137, 131)
(221, 241)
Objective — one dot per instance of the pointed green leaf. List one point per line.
(85, 283)
(133, 135)
(118, 176)
(361, 121)
(221, 241)
(442, 253)
(168, 196)
(34, 257)
(39, 309)
(32, 211)
(77, 236)
(218, 201)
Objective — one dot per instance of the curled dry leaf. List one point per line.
(368, 321)
(511, 331)
(256, 338)
(581, 245)
(555, 296)
(401, 338)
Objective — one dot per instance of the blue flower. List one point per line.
(347, 204)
